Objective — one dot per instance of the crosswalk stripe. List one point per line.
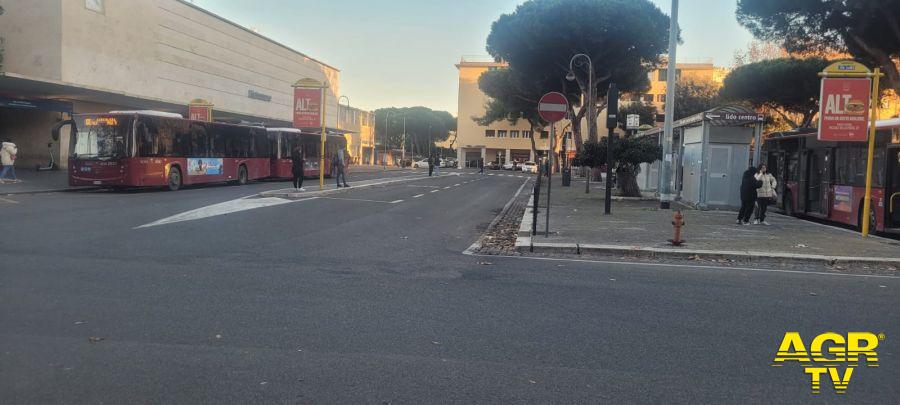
(418, 195)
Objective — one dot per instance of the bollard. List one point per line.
(677, 222)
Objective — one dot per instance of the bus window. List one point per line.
(262, 146)
(199, 140)
(793, 166)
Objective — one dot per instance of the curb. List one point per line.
(523, 244)
(50, 190)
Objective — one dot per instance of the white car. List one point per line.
(529, 167)
(509, 166)
(421, 164)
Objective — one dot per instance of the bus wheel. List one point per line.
(859, 220)
(242, 175)
(174, 180)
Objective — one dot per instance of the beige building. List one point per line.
(498, 142)
(360, 127)
(77, 56)
(656, 96)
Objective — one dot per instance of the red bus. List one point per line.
(827, 180)
(283, 141)
(148, 148)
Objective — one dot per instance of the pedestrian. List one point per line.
(298, 161)
(436, 161)
(339, 163)
(749, 184)
(430, 161)
(481, 166)
(765, 194)
(8, 152)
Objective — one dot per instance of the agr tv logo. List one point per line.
(830, 354)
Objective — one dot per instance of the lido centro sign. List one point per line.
(844, 102)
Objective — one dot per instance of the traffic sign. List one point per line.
(632, 121)
(553, 106)
(844, 108)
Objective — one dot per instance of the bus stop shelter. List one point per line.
(711, 151)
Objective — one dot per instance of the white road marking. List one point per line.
(396, 201)
(360, 199)
(418, 195)
(435, 191)
(8, 201)
(456, 185)
(228, 207)
(446, 187)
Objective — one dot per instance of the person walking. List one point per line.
(298, 161)
(481, 166)
(765, 194)
(749, 184)
(430, 165)
(339, 163)
(436, 162)
(8, 152)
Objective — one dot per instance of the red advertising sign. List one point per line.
(553, 107)
(200, 113)
(844, 109)
(307, 107)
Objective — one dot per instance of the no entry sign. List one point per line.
(844, 109)
(553, 107)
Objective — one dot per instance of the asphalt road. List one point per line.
(364, 296)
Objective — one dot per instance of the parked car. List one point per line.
(492, 165)
(421, 164)
(509, 166)
(451, 162)
(529, 167)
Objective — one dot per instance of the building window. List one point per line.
(663, 72)
(526, 134)
(569, 136)
(489, 133)
(648, 98)
(661, 98)
(501, 133)
(513, 134)
(545, 134)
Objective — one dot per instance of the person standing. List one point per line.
(481, 166)
(749, 184)
(430, 165)
(298, 161)
(765, 194)
(8, 152)
(436, 161)
(339, 163)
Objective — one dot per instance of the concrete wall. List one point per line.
(164, 50)
(32, 38)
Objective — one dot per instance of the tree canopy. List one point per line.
(694, 96)
(629, 152)
(423, 126)
(787, 86)
(540, 37)
(867, 29)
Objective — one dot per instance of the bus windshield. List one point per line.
(101, 137)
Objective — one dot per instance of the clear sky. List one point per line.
(401, 52)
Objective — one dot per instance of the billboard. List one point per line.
(204, 166)
(307, 107)
(844, 109)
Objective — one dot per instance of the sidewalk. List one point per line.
(39, 182)
(639, 228)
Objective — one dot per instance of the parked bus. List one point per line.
(827, 180)
(148, 148)
(283, 141)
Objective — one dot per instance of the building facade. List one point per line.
(498, 142)
(360, 127)
(80, 56)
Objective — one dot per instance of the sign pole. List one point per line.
(549, 177)
(867, 201)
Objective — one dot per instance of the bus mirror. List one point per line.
(54, 133)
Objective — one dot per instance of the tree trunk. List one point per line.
(626, 181)
(535, 132)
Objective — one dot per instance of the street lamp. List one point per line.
(579, 61)
(345, 113)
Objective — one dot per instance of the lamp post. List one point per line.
(579, 60)
(384, 141)
(340, 118)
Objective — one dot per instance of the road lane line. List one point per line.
(396, 201)
(446, 187)
(435, 191)
(456, 185)
(8, 201)
(228, 207)
(418, 195)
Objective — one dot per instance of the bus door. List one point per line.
(892, 188)
(819, 182)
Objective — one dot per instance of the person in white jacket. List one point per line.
(765, 195)
(8, 153)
